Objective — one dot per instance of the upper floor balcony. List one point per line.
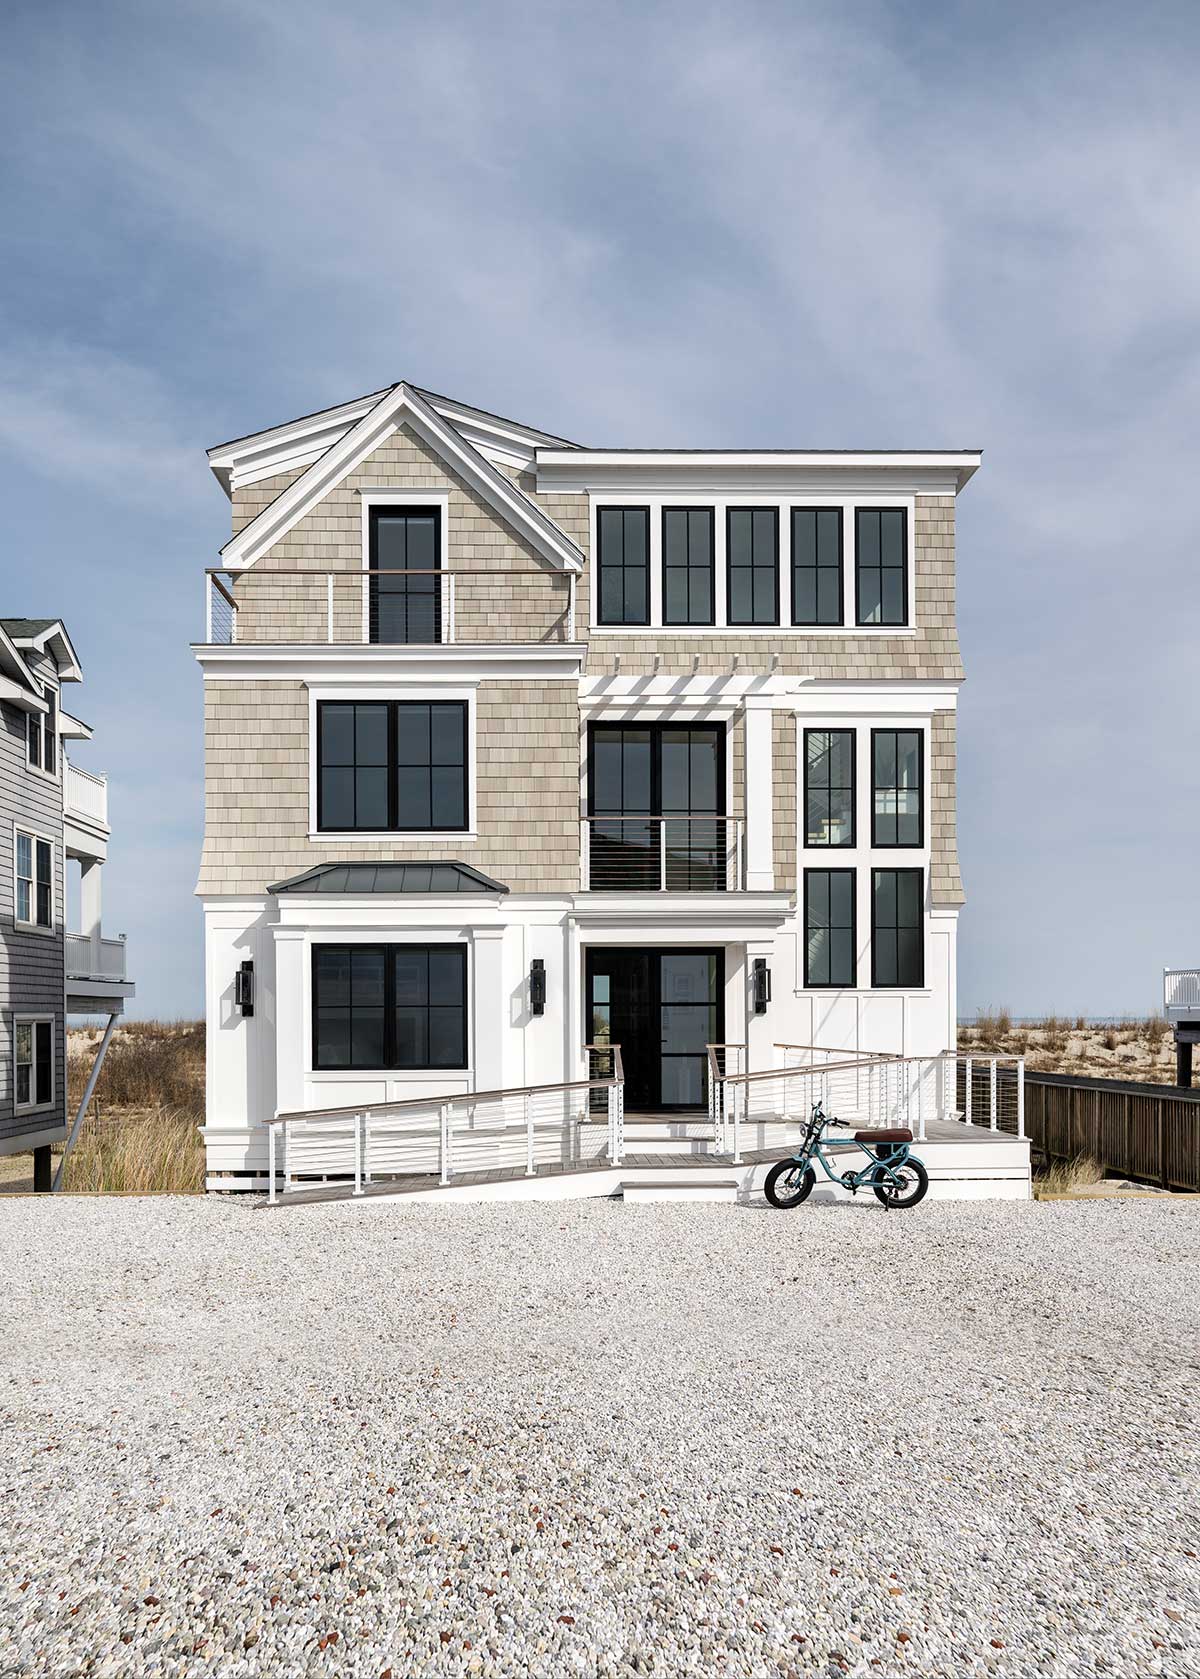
(662, 854)
(85, 813)
(423, 608)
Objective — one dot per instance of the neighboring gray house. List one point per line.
(52, 815)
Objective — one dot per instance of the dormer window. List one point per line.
(41, 736)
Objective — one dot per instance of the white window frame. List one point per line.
(428, 692)
(41, 720)
(34, 1021)
(35, 926)
(439, 499)
(720, 504)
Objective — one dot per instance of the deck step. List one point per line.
(694, 1187)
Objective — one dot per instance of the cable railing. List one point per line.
(444, 1137)
(661, 854)
(280, 605)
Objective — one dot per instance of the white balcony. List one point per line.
(90, 956)
(85, 812)
(662, 854)
(1181, 994)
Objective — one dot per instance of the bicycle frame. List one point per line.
(891, 1158)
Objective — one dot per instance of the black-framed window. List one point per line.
(897, 927)
(817, 565)
(391, 766)
(829, 923)
(637, 776)
(829, 787)
(406, 608)
(34, 880)
(897, 816)
(623, 565)
(33, 1063)
(687, 563)
(389, 1005)
(881, 565)
(41, 735)
(752, 565)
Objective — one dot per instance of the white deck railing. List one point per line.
(1181, 993)
(85, 794)
(91, 957)
(661, 854)
(512, 1131)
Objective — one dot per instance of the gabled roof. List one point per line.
(389, 878)
(400, 405)
(47, 635)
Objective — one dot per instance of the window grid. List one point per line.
(623, 565)
(688, 566)
(406, 610)
(817, 581)
(392, 766)
(829, 788)
(33, 1063)
(830, 955)
(897, 929)
(897, 788)
(752, 565)
(881, 565)
(34, 880)
(389, 1006)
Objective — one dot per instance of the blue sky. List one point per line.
(878, 225)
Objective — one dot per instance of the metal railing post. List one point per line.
(450, 580)
(270, 1163)
(366, 1148)
(444, 1128)
(920, 1103)
(287, 1157)
(995, 1118)
(1021, 1097)
(570, 606)
(969, 1080)
(529, 1164)
(662, 854)
(358, 1172)
(585, 854)
(737, 1117)
(208, 595)
(329, 606)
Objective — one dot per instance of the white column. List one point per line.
(89, 907)
(489, 1007)
(760, 838)
(292, 1046)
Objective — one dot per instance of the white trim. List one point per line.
(345, 662)
(40, 1018)
(961, 462)
(36, 834)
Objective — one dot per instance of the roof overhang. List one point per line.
(54, 641)
(576, 463)
(394, 879)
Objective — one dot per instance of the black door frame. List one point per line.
(652, 955)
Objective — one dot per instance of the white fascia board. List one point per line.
(12, 693)
(363, 665)
(244, 460)
(608, 917)
(911, 695)
(55, 641)
(397, 407)
(367, 914)
(961, 462)
(73, 728)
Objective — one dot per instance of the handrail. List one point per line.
(217, 572)
(823, 1049)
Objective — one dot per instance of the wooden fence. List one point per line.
(1145, 1131)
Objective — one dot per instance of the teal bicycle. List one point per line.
(892, 1172)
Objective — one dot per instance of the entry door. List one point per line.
(663, 1007)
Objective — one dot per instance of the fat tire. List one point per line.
(880, 1182)
(771, 1187)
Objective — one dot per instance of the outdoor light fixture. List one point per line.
(537, 986)
(762, 985)
(243, 988)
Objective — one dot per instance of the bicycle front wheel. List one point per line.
(788, 1183)
(901, 1186)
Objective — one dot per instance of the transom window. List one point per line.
(623, 561)
(816, 565)
(391, 766)
(752, 564)
(406, 586)
(897, 936)
(881, 564)
(389, 1006)
(34, 880)
(41, 735)
(829, 787)
(687, 539)
(829, 953)
(33, 1062)
(896, 779)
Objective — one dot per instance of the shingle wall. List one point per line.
(945, 882)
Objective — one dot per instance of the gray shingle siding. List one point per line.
(32, 970)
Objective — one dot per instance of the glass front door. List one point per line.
(663, 1007)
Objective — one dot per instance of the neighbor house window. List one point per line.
(389, 1006)
(41, 735)
(896, 787)
(881, 564)
(406, 584)
(687, 541)
(391, 766)
(829, 787)
(34, 880)
(623, 565)
(752, 565)
(33, 1063)
(829, 956)
(897, 932)
(816, 565)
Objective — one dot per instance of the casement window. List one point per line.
(33, 1062)
(405, 560)
(687, 551)
(829, 787)
(816, 565)
(623, 565)
(881, 564)
(897, 927)
(752, 565)
(896, 787)
(829, 951)
(389, 1006)
(34, 860)
(41, 736)
(390, 766)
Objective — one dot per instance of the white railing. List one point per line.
(661, 854)
(91, 957)
(447, 1136)
(85, 794)
(1181, 992)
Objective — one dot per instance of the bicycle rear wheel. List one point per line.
(788, 1183)
(913, 1182)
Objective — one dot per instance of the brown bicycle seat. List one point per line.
(896, 1134)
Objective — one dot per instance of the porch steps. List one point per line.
(694, 1187)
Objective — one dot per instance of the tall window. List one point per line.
(34, 880)
(829, 954)
(656, 799)
(623, 564)
(391, 765)
(33, 1063)
(881, 564)
(41, 735)
(897, 932)
(896, 782)
(752, 565)
(405, 559)
(381, 1006)
(816, 565)
(687, 538)
(829, 787)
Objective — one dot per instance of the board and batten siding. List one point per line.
(32, 969)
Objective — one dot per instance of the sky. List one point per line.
(869, 225)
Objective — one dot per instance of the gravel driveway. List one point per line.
(591, 1439)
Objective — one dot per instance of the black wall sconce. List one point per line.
(537, 986)
(243, 988)
(762, 984)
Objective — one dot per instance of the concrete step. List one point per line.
(693, 1187)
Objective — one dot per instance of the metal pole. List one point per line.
(995, 1118)
(662, 854)
(329, 607)
(1021, 1097)
(444, 1127)
(270, 1163)
(529, 1165)
(366, 1148)
(101, 1052)
(358, 1176)
(737, 1140)
(570, 606)
(970, 1073)
(208, 595)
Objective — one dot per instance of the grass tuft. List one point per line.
(158, 1152)
(1063, 1176)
